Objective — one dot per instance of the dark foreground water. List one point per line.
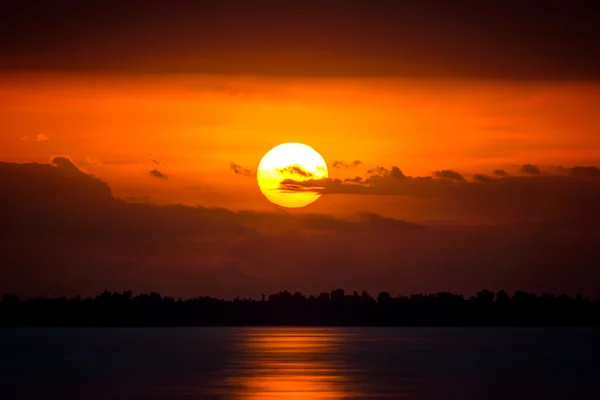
(300, 363)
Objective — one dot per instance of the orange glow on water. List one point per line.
(292, 364)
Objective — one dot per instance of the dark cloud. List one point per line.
(154, 161)
(394, 173)
(238, 169)
(138, 199)
(296, 170)
(502, 200)
(342, 164)
(482, 178)
(449, 174)
(63, 233)
(356, 179)
(529, 169)
(384, 181)
(64, 162)
(585, 172)
(43, 197)
(70, 202)
(157, 174)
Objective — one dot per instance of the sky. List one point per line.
(462, 142)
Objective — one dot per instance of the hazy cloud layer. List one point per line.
(332, 38)
(584, 172)
(86, 241)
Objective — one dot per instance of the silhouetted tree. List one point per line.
(485, 296)
(502, 297)
(337, 295)
(384, 298)
(285, 308)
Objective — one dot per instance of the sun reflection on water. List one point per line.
(291, 364)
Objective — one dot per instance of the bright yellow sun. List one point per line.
(292, 162)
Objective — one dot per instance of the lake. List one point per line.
(300, 363)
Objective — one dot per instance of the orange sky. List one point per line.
(470, 135)
(113, 126)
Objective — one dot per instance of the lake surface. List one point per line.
(300, 363)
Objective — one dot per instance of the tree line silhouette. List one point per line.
(337, 308)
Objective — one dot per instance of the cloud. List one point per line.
(384, 181)
(342, 164)
(138, 199)
(238, 169)
(154, 161)
(296, 170)
(38, 138)
(394, 172)
(66, 163)
(157, 174)
(529, 169)
(585, 172)
(48, 191)
(449, 174)
(85, 240)
(485, 199)
(482, 178)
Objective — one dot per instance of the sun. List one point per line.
(290, 161)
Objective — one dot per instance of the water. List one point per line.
(300, 363)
